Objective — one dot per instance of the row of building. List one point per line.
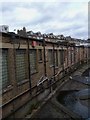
(48, 37)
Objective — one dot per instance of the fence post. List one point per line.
(45, 73)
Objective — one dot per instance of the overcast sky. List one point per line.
(67, 18)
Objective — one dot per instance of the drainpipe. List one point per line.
(67, 55)
(83, 54)
(13, 37)
(63, 59)
(29, 69)
(74, 55)
(45, 73)
(54, 61)
(87, 54)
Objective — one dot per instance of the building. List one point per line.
(29, 68)
(4, 28)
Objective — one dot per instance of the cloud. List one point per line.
(70, 18)
(45, 1)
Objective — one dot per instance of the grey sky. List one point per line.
(67, 18)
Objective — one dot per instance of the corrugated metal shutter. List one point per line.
(20, 65)
(4, 59)
(33, 60)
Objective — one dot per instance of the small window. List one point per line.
(4, 64)
(40, 54)
(33, 61)
(20, 65)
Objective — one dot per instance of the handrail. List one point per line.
(42, 79)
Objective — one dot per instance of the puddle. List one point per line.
(72, 100)
(84, 78)
(86, 73)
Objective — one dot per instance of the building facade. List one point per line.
(31, 66)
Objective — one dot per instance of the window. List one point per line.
(4, 65)
(40, 54)
(61, 57)
(33, 61)
(56, 58)
(20, 65)
(50, 55)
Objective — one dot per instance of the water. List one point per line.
(86, 73)
(71, 101)
(82, 79)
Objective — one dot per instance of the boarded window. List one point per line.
(33, 61)
(56, 58)
(40, 54)
(20, 65)
(50, 55)
(4, 59)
